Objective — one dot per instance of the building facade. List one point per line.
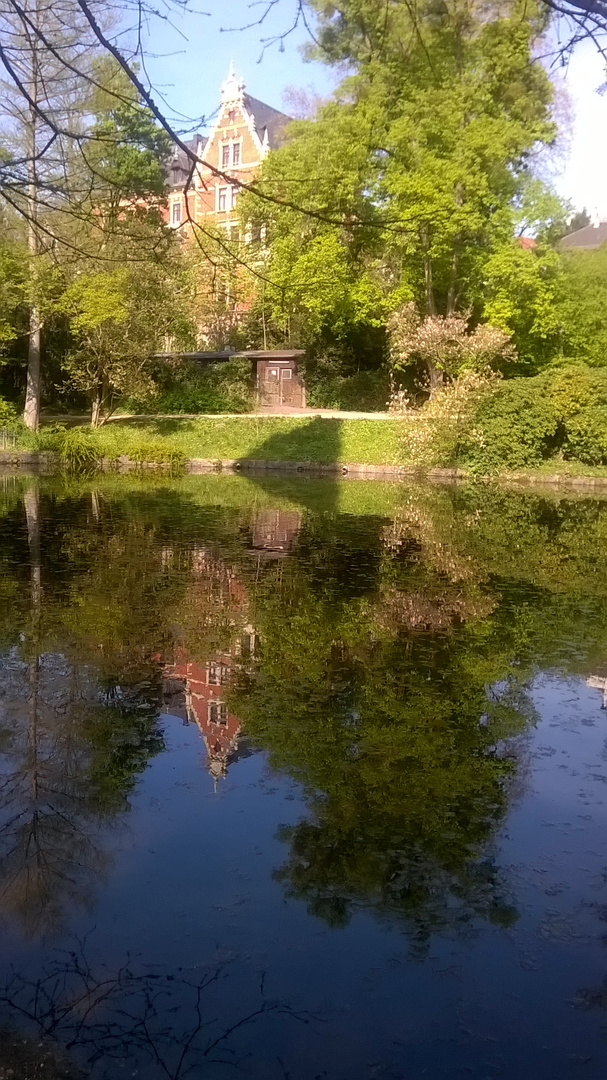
(245, 130)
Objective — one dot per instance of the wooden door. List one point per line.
(279, 384)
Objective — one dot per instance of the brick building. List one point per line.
(244, 132)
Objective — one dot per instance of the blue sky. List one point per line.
(191, 60)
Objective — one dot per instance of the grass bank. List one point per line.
(322, 440)
(316, 439)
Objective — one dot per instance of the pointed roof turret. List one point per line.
(232, 89)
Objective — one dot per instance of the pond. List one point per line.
(304, 779)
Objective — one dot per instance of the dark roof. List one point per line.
(179, 162)
(267, 119)
(588, 237)
(229, 354)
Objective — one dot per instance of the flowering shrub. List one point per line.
(486, 424)
(439, 432)
(444, 344)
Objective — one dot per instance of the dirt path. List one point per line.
(337, 414)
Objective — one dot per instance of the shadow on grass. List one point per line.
(317, 442)
(158, 425)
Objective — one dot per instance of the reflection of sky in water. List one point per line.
(201, 852)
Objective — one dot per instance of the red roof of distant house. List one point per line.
(527, 242)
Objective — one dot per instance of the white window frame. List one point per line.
(176, 212)
(221, 711)
(222, 194)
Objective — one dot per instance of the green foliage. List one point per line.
(328, 386)
(156, 452)
(578, 395)
(8, 414)
(195, 388)
(13, 288)
(128, 151)
(118, 317)
(514, 427)
(525, 421)
(413, 176)
(581, 301)
(75, 447)
(520, 297)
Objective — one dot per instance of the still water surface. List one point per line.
(304, 779)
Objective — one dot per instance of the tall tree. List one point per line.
(42, 94)
(409, 180)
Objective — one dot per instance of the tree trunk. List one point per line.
(31, 412)
(97, 406)
(99, 399)
(436, 378)
(427, 258)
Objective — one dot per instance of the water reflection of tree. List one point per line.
(136, 1015)
(394, 652)
(71, 751)
(372, 689)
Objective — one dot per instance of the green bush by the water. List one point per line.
(76, 447)
(523, 422)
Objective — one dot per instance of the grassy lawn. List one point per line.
(318, 439)
(277, 438)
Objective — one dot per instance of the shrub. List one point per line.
(75, 447)
(579, 398)
(513, 428)
(363, 391)
(587, 436)
(437, 433)
(8, 414)
(157, 452)
(191, 388)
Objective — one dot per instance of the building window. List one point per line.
(176, 213)
(236, 154)
(234, 233)
(222, 201)
(234, 196)
(225, 155)
(218, 713)
(216, 674)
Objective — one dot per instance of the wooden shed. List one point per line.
(279, 383)
(277, 376)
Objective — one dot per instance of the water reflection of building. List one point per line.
(196, 691)
(599, 682)
(273, 532)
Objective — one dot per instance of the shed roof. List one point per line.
(591, 236)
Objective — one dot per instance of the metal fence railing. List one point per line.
(8, 439)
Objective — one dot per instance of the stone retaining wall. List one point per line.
(34, 461)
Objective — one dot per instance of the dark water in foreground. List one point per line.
(304, 780)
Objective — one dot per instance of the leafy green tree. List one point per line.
(581, 300)
(415, 171)
(127, 151)
(119, 317)
(323, 280)
(522, 286)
